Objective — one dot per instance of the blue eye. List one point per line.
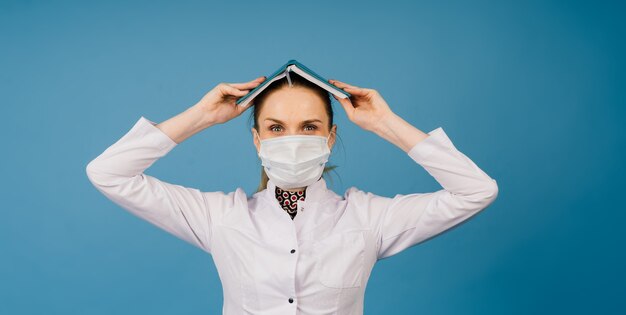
(278, 128)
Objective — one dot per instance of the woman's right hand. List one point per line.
(219, 104)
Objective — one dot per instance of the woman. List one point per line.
(295, 247)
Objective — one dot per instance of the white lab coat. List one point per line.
(320, 262)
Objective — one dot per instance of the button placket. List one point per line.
(294, 260)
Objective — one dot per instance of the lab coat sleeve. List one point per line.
(413, 218)
(118, 173)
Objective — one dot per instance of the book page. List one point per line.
(313, 79)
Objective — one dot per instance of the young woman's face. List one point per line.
(293, 111)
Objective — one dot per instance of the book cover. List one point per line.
(302, 70)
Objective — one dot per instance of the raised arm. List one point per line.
(118, 172)
(216, 107)
(406, 220)
(413, 218)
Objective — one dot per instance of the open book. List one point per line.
(293, 66)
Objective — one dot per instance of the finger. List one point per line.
(244, 85)
(230, 90)
(356, 91)
(346, 104)
(249, 84)
(341, 84)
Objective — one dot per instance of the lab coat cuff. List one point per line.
(436, 139)
(155, 135)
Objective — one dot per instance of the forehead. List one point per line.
(293, 104)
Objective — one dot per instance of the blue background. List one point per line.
(532, 92)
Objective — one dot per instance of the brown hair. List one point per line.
(296, 80)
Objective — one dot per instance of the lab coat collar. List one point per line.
(319, 205)
(316, 208)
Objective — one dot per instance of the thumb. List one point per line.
(241, 109)
(346, 104)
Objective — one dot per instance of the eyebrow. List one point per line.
(304, 122)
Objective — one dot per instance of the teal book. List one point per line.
(297, 67)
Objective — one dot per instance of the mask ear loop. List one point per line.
(288, 77)
(328, 138)
(260, 144)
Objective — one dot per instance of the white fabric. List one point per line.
(294, 161)
(337, 239)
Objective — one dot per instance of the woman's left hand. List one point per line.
(369, 110)
(366, 107)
